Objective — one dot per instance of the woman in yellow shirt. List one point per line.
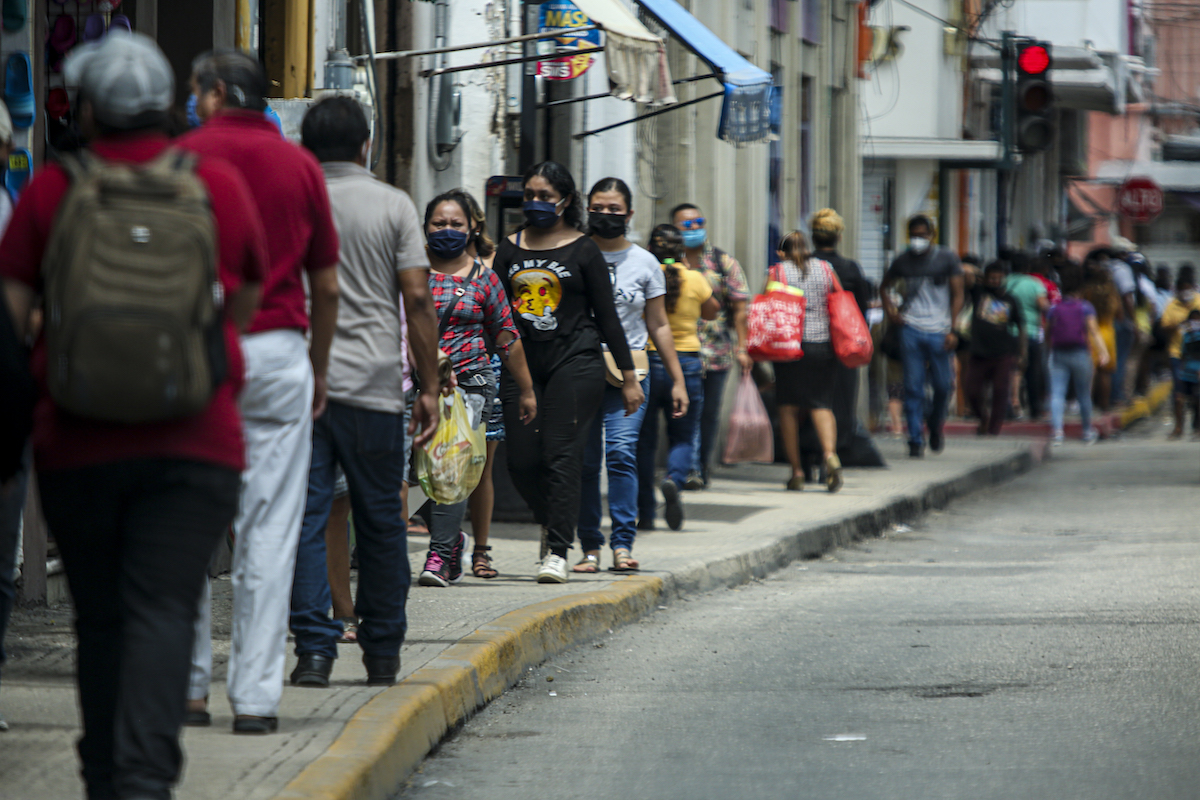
(1185, 301)
(689, 298)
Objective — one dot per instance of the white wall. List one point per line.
(480, 154)
(1071, 23)
(614, 153)
(918, 94)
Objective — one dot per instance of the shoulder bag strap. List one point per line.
(458, 292)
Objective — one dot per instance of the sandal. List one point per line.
(349, 630)
(481, 563)
(623, 561)
(589, 564)
(833, 473)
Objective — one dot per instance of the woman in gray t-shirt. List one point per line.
(638, 291)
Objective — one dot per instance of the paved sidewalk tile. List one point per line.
(745, 509)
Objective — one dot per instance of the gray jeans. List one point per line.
(12, 502)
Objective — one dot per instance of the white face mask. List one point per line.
(918, 245)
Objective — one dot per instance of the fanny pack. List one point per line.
(641, 367)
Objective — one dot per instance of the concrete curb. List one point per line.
(389, 736)
(1146, 406)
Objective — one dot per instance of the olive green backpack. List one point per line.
(133, 303)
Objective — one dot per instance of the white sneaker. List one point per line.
(1091, 437)
(553, 570)
(1057, 440)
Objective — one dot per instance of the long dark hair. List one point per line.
(559, 177)
(666, 244)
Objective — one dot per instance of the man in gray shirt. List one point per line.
(930, 281)
(381, 259)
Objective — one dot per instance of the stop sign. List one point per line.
(1140, 200)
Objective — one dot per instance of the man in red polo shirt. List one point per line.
(285, 380)
(136, 510)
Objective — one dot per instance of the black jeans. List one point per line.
(12, 501)
(135, 539)
(545, 457)
(1035, 378)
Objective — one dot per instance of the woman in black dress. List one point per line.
(561, 293)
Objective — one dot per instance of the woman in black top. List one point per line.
(558, 284)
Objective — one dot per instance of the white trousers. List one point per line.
(276, 407)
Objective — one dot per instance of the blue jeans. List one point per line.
(919, 351)
(614, 437)
(710, 415)
(1066, 366)
(369, 446)
(680, 432)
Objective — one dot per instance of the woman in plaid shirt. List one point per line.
(480, 315)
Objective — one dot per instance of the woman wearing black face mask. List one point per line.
(468, 301)
(562, 297)
(640, 289)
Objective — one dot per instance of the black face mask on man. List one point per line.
(607, 226)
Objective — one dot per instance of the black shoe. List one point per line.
(915, 450)
(647, 525)
(381, 670)
(936, 440)
(312, 670)
(694, 482)
(255, 726)
(198, 719)
(674, 508)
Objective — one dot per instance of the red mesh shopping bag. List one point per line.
(775, 322)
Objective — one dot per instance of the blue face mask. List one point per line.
(192, 117)
(541, 213)
(694, 237)
(447, 243)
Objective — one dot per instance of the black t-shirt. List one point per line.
(994, 320)
(562, 302)
(851, 276)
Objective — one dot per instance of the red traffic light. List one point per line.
(1034, 59)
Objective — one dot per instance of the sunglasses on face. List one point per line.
(691, 224)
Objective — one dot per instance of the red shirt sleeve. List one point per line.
(242, 240)
(323, 247)
(24, 243)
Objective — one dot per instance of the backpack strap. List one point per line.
(77, 165)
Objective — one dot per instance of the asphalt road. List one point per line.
(1039, 640)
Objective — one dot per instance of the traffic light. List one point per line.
(1034, 97)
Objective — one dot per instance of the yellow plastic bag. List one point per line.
(450, 464)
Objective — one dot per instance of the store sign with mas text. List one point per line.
(557, 14)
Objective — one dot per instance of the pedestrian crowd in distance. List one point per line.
(217, 335)
(1033, 336)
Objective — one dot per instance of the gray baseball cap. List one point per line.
(125, 77)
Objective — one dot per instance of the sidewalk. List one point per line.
(469, 642)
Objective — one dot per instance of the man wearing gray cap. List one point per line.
(136, 507)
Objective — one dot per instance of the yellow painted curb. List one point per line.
(1143, 407)
(389, 736)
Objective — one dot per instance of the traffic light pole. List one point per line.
(1007, 99)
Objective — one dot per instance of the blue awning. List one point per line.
(746, 108)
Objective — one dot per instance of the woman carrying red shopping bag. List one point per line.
(805, 385)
